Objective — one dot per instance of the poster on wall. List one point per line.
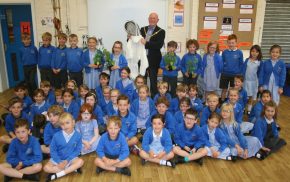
(229, 4)
(245, 24)
(47, 21)
(25, 27)
(178, 19)
(246, 9)
(178, 5)
(210, 22)
(211, 7)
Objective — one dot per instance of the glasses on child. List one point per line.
(189, 118)
(86, 113)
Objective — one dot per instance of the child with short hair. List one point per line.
(45, 56)
(52, 127)
(139, 81)
(87, 125)
(58, 97)
(240, 145)
(125, 85)
(142, 107)
(181, 92)
(184, 105)
(74, 60)
(211, 68)
(112, 107)
(266, 131)
(170, 64)
(215, 140)
(273, 73)
(24, 155)
(104, 79)
(162, 87)
(29, 59)
(212, 102)
(195, 102)
(191, 62)
(72, 84)
(243, 96)
(112, 150)
(65, 148)
(83, 90)
(157, 144)
(59, 63)
(40, 106)
(119, 62)
(189, 140)
(232, 65)
(48, 92)
(105, 99)
(162, 105)
(69, 104)
(129, 124)
(20, 92)
(255, 113)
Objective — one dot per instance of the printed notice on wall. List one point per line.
(210, 22)
(245, 24)
(211, 7)
(229, 3)
(246, 9)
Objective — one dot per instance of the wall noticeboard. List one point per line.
(218, 19)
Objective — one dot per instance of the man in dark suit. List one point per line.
(153, 40)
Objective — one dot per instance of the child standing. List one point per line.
(266, 131)
(24, 155)
(139, 81)
(240, 145)
(157, 144)
(162, 87)
(59, 63)
(216, 143)
(29, 59)
(191, 63)
(87, 126)
(243, 95)
(212, 102)
(65, 148)
(113, 152)
(125, 85)
(251, 70)
(45, 57)
(258, 107)
(69, 104)
(189, 140)
(212, 66)
(74, 60)
(273, 74)
(170, 64)
(119, 62)
(92, 68)
(232, 65)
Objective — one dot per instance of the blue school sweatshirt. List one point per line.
(50, 98)
(218, 64)
(238, 112)
(238, 133)
(28, 55)
(243, 98)
(173, 73)
(196, 104)
(256, 111)
(219, 137)
(167, 95)
(28, 153)
(205, 115)
(165, 140)
(103, 104)
(169, 121)
(174, 105)
(38, 109)
(192, 137)
(117, 147)
(59, 58)
(99, 115)
(179, 118)
(128, 90)
(48, 133)
(110, 110)
(60, 150)
(10, 121)
(73, 109)
(74, 59)
(232, 62)
(135, 94)
(134, 108)
(129, 125)
(194, 59)
(27, 102)
(45, 56)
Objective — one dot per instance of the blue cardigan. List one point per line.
(73, 109)
(128, 90)
(256, 111)
(219, 136)
(238, 133)
(122, 61)
(86, 62)
(260, 129)
(110, 109)
(279, 71)
(205, 115)
(10, 121)
(218, 64)
(134, 108)
(165, 140)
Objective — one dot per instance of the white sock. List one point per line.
(165, 163)
(249, 108)
(60, 174)
(258, 155)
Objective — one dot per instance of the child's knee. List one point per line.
(80, 162)
(37, 167)
(175, 149)
(128, 162)
(203, 151)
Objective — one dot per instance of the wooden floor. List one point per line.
(274, 168)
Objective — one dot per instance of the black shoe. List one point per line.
(234, 158)
(179, 160)
(143, 162)
(49, 176)
(199, 161)
(7, 178)
(79, 171)
(126, 171)
(99, 170)
(5, 148)
(31, 177)
(172, 164)
(45, 156)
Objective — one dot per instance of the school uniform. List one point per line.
(179, 118)
(129, 125)
(206, 113)
(235, 136)
(167, 95)
(111, 110)
(126, 87)
(80, 101)
(48, 133)
(192, 138)
(99, 92)
(190, 63)
(216, 139)
(174, 105)
(157, 144)
(121, 61)
(272, 77)
(38, 109)
(59, 61)
(75, 64)
(196, 104)
(142, 110)
(211, 68)
(28, 153)
(99, 115)
(169, 121)
(243, 98)
(73, 108)
(27, 102)
(29, 59)
(135, 94)
(266, 131)
(50, 98)
(256, 112)
(103, 104)
(170, 76)
(232, 65)
(44, 62)
(10, 121)
(251, 71)
(113, 149)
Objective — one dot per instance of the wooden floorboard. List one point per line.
(274, 168)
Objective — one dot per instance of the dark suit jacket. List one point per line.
(154, 45)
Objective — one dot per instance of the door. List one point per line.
(15, 19)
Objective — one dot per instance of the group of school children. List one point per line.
(111, 113)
